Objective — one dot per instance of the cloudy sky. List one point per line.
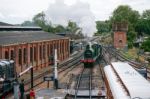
(83, 12)
(16, 11)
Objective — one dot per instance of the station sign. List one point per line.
(48, 78)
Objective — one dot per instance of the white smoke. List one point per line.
(79, 12)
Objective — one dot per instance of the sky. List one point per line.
(83, 12)
(17, 11)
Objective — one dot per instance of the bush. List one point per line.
(146, 45)
(130, 45)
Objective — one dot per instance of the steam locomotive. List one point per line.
(91, 53)
(7, 76)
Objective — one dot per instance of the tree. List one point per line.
(102, 26)
(27, 23)
(72, 27)
(124, 13)
(146, 14)
(143, 24)
(59, 28)
(131, 36)
(146, 21)
(146, 45)
(39, 20)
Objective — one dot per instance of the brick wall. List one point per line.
(31, 54)
(120, 39)
(119, 36)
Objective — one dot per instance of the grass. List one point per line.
(132, 54)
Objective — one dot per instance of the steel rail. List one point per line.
(90, 86)
(78, 83)
(26, 82)
(136, 65)
(108, 62)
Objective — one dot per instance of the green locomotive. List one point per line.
(91, 54)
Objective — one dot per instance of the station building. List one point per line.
(30, 46)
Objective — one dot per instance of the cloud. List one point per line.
(1, 15)
(79, 12)
(17, 11)
(100, 9)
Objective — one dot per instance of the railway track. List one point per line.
(62, 67)
(84, 82)
(111, 52)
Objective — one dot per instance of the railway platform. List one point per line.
(85, 93)
(27, 75)
(50, 94)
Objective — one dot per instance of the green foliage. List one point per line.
(59, 28)
(28, 23)
(146, 45)
(146, 14)
(143, 24)
(130, 45)
(72, 27)
(131, 36)
(102, 26)
(39, 19)
(124, 13)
